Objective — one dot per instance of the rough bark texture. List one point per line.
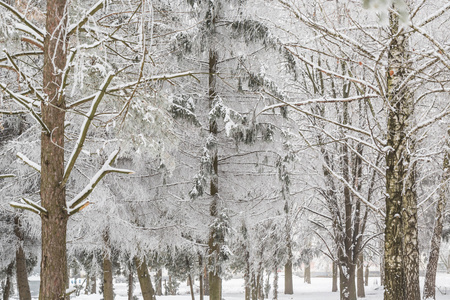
(21, 264)
(144, 279)
(401, 259)
(130, 285)
(158, 283)
(360, 276)
(53, 193)
(366, 274)
(429, 290)
(93, 285)
(191, 287)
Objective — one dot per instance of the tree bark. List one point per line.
(158, 283)
(429, 290)
(334, 286)
(288, 286)
(307, 273)
(130, 284)
(93, 284)
(275, 284)
(108, 289)
(144, 279)
(401, 258)
(360, 276)
(21, 264)
(191, 286)
(52, 191)
(8, 284)
(366, 273)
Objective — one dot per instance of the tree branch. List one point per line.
(29, 162)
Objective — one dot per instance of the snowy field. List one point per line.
(319, 289)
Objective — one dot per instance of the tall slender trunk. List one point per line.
(206, 281)
(52, 191)
(130, 284)
(191, 286)
(401, 258)
(275, 284)
(247, 276)
(93, 284)
(334, 286)
(144, 279)
(429, 290)
(8, 284)
(158, 283)
(21, 264)
(200, 277)
(366, 274)
(108, 290)
(360, 276)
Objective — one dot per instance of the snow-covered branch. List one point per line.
(75, 27)
(84, 129)
(7, 175)
(23, 19)
(134, 83)
(25, 102)
(30, 205)
(319, 100)
(354, 192)
(29, 162)
(428, 122)
(77, 202)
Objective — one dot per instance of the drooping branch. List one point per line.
(29, 162)
(77, 203)
(84, 129)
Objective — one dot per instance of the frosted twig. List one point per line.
(85, 127)
(23, 19)
(7, 175)
(96, 7)
(29, 162)
(106, 168)
(30, 205)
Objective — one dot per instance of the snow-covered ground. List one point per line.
(319, 289)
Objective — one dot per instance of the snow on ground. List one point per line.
(319, 289)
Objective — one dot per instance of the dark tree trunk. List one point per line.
(334, 287)
(144, 279)
(130, 284)
(247, 277)
(429, 290)
(360, 276)
(108, 289)
(52, 190)
(93, 284)
(275, 284)
(21, 264)
(206, 282)
(191, 287)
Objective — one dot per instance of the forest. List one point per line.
(209, 139)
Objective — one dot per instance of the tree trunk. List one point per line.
(93, 284)
(366, 273)
(21, 264)
(206, 282)
(52, 190)
(429, 290)
(288, 286)
(401, 258)
(108, 290)
(88, 284)
(158, 283)
(130, 284)
(275, 284)
(191, 286)
(247, 279)
(334, 287)
(307, 273)
(8, 284)
(360, 276)
(144, 279)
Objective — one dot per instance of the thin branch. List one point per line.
(23, 19)
(106, 168)
(29, 162)
(73, 28)
(84, 129)
(7, 175)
